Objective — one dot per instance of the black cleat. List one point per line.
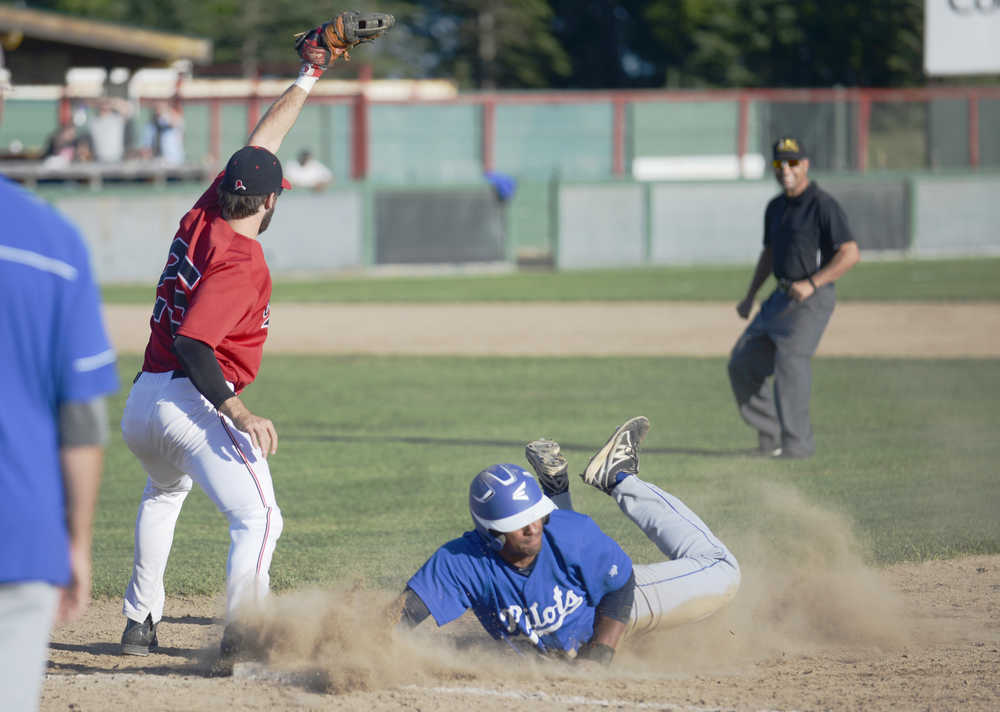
(241, 642)
(234, 641)
(550, 466)
(140, 638)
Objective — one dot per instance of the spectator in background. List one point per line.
(67, 145)
(61, 147)
(307, 172)
(163, 138)
(57, 368)
(108, 129)
(84, 150)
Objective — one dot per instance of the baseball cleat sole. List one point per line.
(619, 454)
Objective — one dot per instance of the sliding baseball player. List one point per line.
(540, 576)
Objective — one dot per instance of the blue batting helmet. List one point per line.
(504, 498)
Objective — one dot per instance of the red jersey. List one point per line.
(215, 288)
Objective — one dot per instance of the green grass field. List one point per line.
(376, 454)
(907, 280)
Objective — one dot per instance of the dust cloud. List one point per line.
(805, 588)
(340, 641)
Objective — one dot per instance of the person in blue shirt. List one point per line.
(540, 576)
(57, 368)
(163, 137)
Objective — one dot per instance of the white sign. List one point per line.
(961, 37)
(720, 167)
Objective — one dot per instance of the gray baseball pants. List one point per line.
(780, 342)
(27, 611)
(700, 576)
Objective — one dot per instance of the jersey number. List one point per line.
(178, 265)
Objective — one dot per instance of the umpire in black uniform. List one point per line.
(808, 246)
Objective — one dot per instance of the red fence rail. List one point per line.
(861, 99)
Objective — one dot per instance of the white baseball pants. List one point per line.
(180, 438)
(27, 611)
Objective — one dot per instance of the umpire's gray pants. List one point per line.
(27, 611)
(780, 341)
(701, 575)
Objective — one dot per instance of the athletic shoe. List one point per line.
(235, 639)
(789, 455)
(242, 642)
(232, 649)
(550, 466)
(139, 638)
(619, 457)
(768, 446)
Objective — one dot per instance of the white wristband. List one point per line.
(306, 81)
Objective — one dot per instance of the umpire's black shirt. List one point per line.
(800, 228)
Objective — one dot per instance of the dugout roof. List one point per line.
(38, 47)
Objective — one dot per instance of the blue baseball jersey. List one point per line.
(54, 349)
(553, 606)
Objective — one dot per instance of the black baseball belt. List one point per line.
(177, 373)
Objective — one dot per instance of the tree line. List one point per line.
(570, 44)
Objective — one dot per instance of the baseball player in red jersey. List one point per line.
(184, 419)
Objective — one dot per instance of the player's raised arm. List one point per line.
(279, 119)
(317, 48)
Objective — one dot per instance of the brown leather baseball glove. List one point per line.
(335, 39)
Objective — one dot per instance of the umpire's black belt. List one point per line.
(785, 285)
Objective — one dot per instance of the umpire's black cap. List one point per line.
(787, 148)
(253, 171)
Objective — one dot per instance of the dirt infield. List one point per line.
(908, 637)
(580, 328)
(820, 632)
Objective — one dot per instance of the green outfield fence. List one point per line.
(593, 135)
(565, 224)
